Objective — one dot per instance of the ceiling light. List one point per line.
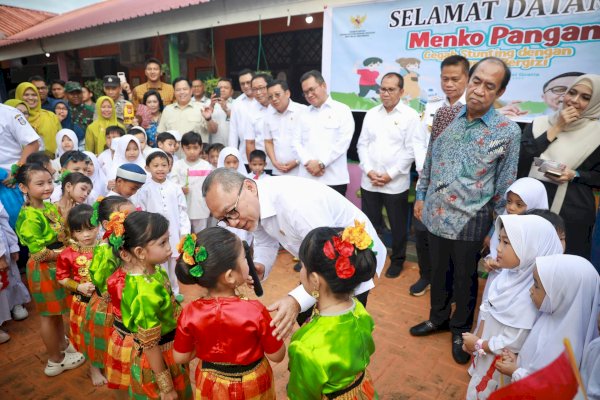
(309, 19)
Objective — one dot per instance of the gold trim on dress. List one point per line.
(148, 337)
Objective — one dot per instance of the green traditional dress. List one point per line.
(150, 312)
(98, 315)
(329, 356)
(41, 230)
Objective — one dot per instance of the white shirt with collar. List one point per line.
(282, 128)
(205, 101)
(290, 207)
(238, 123)
(325, 135)
(15, 133)
(386, 144)
(222, 120)
(256, 127)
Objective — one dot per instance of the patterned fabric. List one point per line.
(364, 391)
(466, 169)
(254, 385)
(118, 362)
(99, 326)
(82, 115)
(48, 295)
(443, 117)
(143, 384)
(76, 323)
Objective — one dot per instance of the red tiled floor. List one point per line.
(403, 367)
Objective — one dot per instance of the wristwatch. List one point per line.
(321, 165)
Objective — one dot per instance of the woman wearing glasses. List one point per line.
(571, 138)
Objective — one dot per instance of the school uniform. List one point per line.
(192, 176)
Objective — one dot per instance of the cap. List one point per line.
(111, 81)
(132, 172)
(72, 87)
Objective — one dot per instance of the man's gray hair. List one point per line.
(228, 179)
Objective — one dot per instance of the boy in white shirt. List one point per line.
(160, 195)
(257, 162)
(130, 178)
(189, 174)
(166, 142)
(106, 157)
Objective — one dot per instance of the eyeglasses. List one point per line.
(310, 91)
(259, 89)
(387, 90)
(557, 90)
(233, 213)
(275, 95)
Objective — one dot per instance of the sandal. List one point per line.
(71, 360)
(70, 348)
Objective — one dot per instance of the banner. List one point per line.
(538, 39)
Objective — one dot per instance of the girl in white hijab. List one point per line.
(230, 158)
(127, 150)
(63, 145)
(98, 178)
(567, 292)
(508, 314)
(590, 368)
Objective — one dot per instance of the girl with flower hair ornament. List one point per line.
(329, 354)
(230, 334)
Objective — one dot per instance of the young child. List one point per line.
(13, 294)
(75, 187)
(140, 134)
(233, 363)
(167, 143)
(213, 153)
(99, 313)
(98, 178)
(508, 315)
(127, 151)
(566, 289)
(190, 173)
(230, 158)
(40, 228)
(66, 140)
(257, 162)
(106, 157)
(72, 272)
(71, 161)
(149, 308)
(163, 196)
(130, 178)
(590, 367)
(334, 263)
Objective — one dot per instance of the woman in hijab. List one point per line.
(62, 111)
(44, 122)
(19, 105)
(508, 314)
(566, 290)
(570, 137)
(95, 135)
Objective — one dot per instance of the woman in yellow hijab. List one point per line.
(95, 134)
(19, 105)
(45, 123)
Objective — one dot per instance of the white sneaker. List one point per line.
(19, 313)
(71, 361)
(4, 337)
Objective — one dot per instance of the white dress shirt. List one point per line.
(282, 128)
(325, 135)
(256, 127)
(290, 207)
(15, 133)
(385, 145)
(432, 106)
(168, 200)
(238, 122)
(222, 120)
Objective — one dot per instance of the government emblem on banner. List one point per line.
(358, 21)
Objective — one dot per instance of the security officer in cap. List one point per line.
(113, 89)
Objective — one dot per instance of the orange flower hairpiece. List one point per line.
(191, 254)
(115, 229)
(353, 238)
(358, 236)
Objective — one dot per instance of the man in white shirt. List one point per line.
(240, 114)
(453, 79)
(17, 140)
(259, 109)
(184, 116)
(326, 130)
(385, 149)
(198, 93)
(282, 210)
(222, 111)
(281, 126)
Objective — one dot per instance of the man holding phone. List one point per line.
(221, 101)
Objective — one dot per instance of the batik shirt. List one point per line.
(82, 115)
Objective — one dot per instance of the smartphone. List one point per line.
(217, 91)
(553, 173)
(122, 77)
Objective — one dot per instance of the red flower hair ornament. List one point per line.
(343, 267)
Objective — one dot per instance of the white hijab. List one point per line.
(532, 192)
(569, 310)
(231, 151)
(98, 179)
(119, 157)
(59, 137)
(508, 300)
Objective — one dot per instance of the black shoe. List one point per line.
(427, 328)
(297, 266)
(419, 288)
(393, 271)
(459, 355)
